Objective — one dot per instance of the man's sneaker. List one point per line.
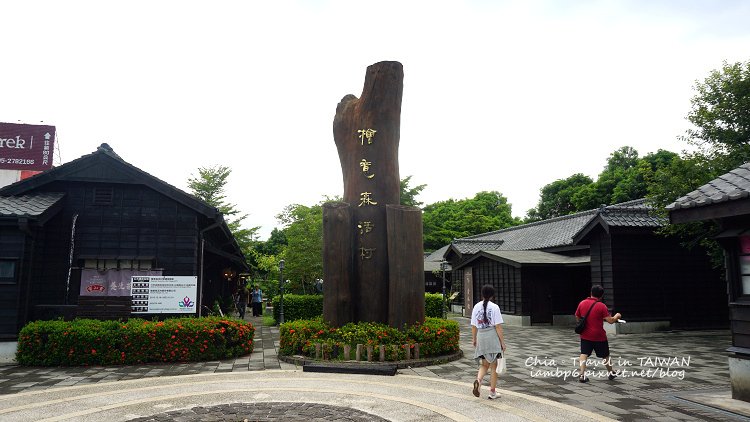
(476, 388)
(583, 379)
(612, 376)
(492, 395)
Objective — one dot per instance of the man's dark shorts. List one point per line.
(600, 347)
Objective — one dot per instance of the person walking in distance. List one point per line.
(242, 301)
(257, 301)
(593, 336)
(488, 340)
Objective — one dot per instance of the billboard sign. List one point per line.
(26, 147)
(164, 294)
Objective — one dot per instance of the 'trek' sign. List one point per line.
(26, 147)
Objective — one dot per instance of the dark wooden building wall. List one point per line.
(138, 223)
(12, 247)
(657, 279)
(601, 264)
(504, 278)
(555, 290)
(738, 304)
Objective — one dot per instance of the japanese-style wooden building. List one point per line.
(99, 214)
(726, 201)
(541, 271)
(433, 272)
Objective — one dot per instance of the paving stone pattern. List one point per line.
(638, 397)
(265, 411)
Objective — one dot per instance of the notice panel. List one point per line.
(26, 147)
(164, 294)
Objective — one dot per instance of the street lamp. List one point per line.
(281, 289)
(443, 265)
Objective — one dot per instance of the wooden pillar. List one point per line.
(405, 265)
(338, 236)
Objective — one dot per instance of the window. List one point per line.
(745, 264)
(7, 270)
(118, 264)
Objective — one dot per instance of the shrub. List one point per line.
(433, 305)
(311, 306)
(95, 342)
(298, 307)
(436, 337)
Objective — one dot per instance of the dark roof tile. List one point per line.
(28, 205)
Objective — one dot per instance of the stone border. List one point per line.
(400, 364)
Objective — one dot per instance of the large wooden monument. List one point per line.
(373, 261)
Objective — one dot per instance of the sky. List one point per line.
(498, 95)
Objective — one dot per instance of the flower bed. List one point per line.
(436, 337)
(95, 342)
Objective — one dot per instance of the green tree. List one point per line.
(447, 220)
(409, 194)
(557, 198)
(274, 245)
(720, 113)
(303, 255)
(209, 186)
(625, 177)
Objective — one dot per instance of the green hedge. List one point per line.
(436, 337)
(433, 305)
(95, 342)
(298, 307)
(311, 306)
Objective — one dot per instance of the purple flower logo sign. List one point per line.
(186, 303)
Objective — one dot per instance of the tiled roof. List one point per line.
(28, 205)
(635, 213)
(559, 231)
(728, 187)
(539, 257)
(433, 260)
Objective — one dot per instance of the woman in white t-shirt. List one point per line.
(487, 336)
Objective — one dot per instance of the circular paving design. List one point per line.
(260, 412)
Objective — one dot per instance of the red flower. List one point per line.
(93, 351)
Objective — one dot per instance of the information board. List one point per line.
(164, 294)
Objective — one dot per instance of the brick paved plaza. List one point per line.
(693, 378)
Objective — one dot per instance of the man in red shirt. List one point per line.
(593, 337)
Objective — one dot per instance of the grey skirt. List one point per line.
(488, 345)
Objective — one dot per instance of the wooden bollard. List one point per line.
(317, 350)
(347, 352)
(359, 352)
(382, 353)
(407, 351)
(369, 352)
(416, 350)
(395, 351)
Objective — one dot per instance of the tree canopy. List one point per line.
(409, 194)
(208, 186)
(447, 220)
(720, 114)
(303, 254)
(625, 177)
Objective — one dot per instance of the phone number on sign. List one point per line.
(15, 161)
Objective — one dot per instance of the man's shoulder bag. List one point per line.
(582, 323)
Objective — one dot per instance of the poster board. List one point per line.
(164, 294)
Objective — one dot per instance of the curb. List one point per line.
(401, 364)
